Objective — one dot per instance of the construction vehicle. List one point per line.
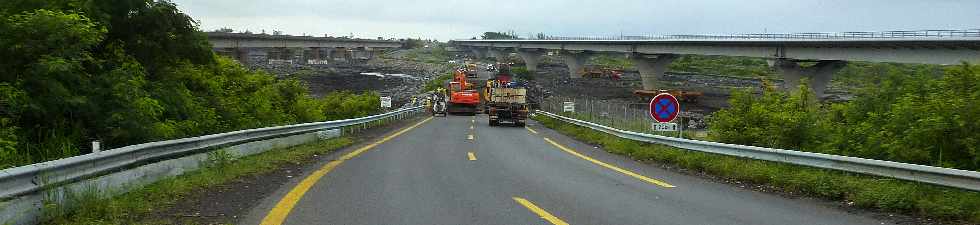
(463, 98)
(471, 71)
(506, 101)
(437, 104)
(600, 72)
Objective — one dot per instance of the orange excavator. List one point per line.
(463, 98)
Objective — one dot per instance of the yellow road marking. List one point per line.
(538, 210)
(469, 137)
(531, 130)
(278, 213)
(471, 156)
(614, 168)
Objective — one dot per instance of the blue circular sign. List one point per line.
(664, 108)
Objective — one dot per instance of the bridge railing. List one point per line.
(967, 33)
(32, 178)
(631, 122)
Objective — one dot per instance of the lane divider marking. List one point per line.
(471, 156)
(541, 212)
(279, 213)
(614, 168)
(531, 130)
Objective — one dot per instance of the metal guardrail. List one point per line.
(31, 178)
(912, 34)
(969, 180)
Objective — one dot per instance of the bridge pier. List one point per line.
(314, 55)
(575, 61)
(479, 53)
(652, 69)
(819, 74)
(531, 58)
(242, 54)
(498, 54)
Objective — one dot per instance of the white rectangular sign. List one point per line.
(664, 127)
(385, 102)
(568, 107)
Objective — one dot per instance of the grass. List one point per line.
(889, 195)
(134, 207)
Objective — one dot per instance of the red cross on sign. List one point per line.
(664, 108)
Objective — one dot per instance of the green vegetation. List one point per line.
(863, 191)
(722, 65)
(914, 117)
(138, 206)
(127, 72)
(522, 73)
(435, 54)
(438, 82)
(612, 61)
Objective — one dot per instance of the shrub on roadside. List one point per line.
(918, 118)
(863, 191)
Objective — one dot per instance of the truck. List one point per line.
(463, 98)
(471, 71)
(507, 102)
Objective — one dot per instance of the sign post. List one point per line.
(568, 107)
(664, 109)
(385, 102)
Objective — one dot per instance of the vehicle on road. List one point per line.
(471, 71)
(506, 101)
(601, 72)
(463, 98)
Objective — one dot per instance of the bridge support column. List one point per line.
(479, 53)
(652, 69)
(575, 62)
(314, 56)
(242, 55)
(498, 54)
(531, 58)
(819, 74)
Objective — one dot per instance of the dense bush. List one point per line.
(127, 72)
(522, 73)
(915, 117)
(723, 65)
(438, 82)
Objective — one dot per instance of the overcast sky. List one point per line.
(448, 19)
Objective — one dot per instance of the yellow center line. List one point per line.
(538, 210)
(614, 168)
(531, 130)
(278, 213)
(471, 156)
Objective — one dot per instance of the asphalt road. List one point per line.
(445, 172)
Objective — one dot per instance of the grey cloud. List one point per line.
(462, 19)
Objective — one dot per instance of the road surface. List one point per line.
(458, 170)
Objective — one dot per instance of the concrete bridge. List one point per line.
(652, 55)
(303, 49)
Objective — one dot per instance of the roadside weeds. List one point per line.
(136, 207)
(937, 204)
